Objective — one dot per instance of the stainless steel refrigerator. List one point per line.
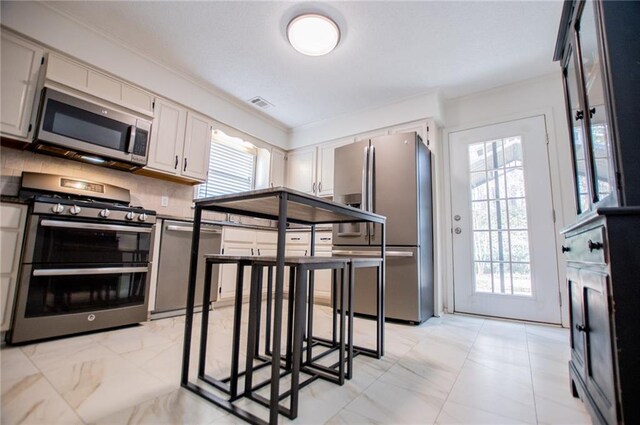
(391, 176)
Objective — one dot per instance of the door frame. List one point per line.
(558, 203)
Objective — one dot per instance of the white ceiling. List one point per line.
(389, 50)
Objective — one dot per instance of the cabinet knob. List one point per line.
(594, 245)
(581, 328)
(565, 249)
(579, 115)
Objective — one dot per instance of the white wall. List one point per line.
(537, 96)
(66, 35)
(411, 109)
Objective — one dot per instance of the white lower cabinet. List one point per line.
(235, 241)
(12, 222)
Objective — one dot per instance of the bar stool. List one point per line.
(352, 349)
(228, 385)
(378, 352)
(300, 267)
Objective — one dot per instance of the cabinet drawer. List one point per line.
(324, 238)
(267, 237)
(239, 235)
(587, 247)
(298, 238)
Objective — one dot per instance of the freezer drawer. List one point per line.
(174, 260)
(408, 296)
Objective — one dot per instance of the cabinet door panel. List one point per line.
(277, 168)
(326, 155)
(600, 378)
(598, 116)
(577, 319)
(228, 273)
(167, 137)
(195, 161)
(301, 170)
(20, 63)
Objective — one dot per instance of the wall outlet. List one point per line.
(164, 201)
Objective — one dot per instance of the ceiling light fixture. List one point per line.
(313, 35)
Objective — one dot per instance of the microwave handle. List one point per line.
(132, 138)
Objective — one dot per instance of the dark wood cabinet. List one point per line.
(599, 51)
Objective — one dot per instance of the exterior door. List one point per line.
(504, 250)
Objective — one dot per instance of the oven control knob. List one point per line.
(105, 213)
(57, 208)
(130, 215)
(75, 210)
(142, 217)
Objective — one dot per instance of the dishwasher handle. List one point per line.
(190, 229)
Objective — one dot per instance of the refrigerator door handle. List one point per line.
(365, 167)
(364, 203)
(370, 162)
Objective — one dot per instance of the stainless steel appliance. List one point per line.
(391, 176)
(85, 263)
(173, 266)
(79, 129)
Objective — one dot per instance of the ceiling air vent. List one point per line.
(260, 102)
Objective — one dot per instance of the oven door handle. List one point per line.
(94, 226)
(88, 271)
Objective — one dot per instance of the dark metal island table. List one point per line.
(286, 206)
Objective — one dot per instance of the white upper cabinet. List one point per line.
(277, 168)
(167, 137)
(324, 174)
(72, 74)
(20, 65)
(180, 142)
(310, 170)
(301, 170)
(197, 144)
(420, 127)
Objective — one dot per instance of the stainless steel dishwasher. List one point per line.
(173, 269)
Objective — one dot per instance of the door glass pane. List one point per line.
(575, 112)
(500, 224)
(594, 85)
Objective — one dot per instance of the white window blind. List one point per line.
(231, 170)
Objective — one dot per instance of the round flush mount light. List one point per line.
(313, 35)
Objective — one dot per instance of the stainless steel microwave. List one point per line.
(92, 132)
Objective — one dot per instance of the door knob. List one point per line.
(457, 230)
(457, 217)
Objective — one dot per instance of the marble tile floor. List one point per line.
(450, 370)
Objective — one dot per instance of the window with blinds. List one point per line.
(231, 170)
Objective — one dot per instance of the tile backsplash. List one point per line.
(145, 191)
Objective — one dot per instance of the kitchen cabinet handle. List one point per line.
(185, 165)
(581, 328)
(314, 187)
(325, 239)
(295, 239)
(594, 245)
(175, 166)
(565, 249)
(319, 187)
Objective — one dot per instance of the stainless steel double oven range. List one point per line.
(86, 258)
